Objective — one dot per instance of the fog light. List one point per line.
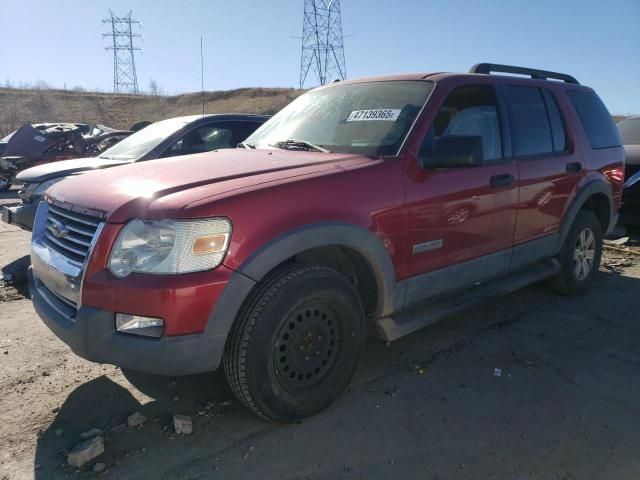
(137, 325)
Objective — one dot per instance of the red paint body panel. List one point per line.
(267, 193)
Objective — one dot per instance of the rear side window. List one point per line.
(555, 119)
(596, 119)
(530, 127)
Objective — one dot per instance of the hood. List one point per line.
(632, 154)
(63, 168)
(159, 188)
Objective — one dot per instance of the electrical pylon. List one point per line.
(125, 79)
(322, 42)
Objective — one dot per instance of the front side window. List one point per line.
(366, 118)
(468, 111)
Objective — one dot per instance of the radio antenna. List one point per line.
(202, 75)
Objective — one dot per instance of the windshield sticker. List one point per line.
(385, 114)
(39, 138)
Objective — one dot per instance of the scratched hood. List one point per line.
(63, 168)
(158, 189)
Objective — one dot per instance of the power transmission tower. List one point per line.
(125, 79)
(322, 41)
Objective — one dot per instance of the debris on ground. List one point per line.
(99, 467)
(182, 424)
(497, 372)
(617, 242)
(94, 432)
(136, 419)
(86, 451)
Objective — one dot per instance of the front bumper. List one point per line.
(21, 216)
(91, 334)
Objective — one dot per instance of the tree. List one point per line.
(154, 88)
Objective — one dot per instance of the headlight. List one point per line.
(170, 246)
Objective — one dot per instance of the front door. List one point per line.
(461, 218)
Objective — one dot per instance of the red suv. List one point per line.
(374, 206)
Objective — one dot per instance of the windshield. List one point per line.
(142, 142)
(367, 118)
(630, 131)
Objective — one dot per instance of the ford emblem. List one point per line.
(57, 228)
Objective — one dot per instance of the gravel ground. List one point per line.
(562, 404)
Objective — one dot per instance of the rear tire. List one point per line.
(296, 343)
(580, 256)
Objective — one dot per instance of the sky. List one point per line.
(257, 43)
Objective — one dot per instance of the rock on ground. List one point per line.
(136, 419)
(182, 424)
(86, 451)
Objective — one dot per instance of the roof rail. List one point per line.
(487, 68)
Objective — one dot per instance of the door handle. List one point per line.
(503, 180)
(574, 167)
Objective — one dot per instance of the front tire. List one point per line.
(580, 256)
(296, 343)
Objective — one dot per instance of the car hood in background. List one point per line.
(63, 168)
(160, 188)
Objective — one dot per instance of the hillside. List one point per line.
(121, 111)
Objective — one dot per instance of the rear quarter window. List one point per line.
(596, 119)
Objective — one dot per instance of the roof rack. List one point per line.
(487, 68)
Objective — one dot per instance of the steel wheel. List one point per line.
(305, 351)
(584, 254)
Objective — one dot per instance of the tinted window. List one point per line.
(530, 129)
(630, 131)
(596, 119)
(557, 125)
(468, 111)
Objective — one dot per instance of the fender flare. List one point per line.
(591, 188)
(296, 241)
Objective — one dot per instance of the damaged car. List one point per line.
(167, 138)
(32, 145)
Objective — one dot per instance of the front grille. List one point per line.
(79, 230)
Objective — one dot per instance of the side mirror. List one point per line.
(454, 151)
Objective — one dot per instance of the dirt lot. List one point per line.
(431, 406)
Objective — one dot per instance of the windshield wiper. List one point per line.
(301, 144)
(245, 145)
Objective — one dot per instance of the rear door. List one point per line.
(550, 168)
